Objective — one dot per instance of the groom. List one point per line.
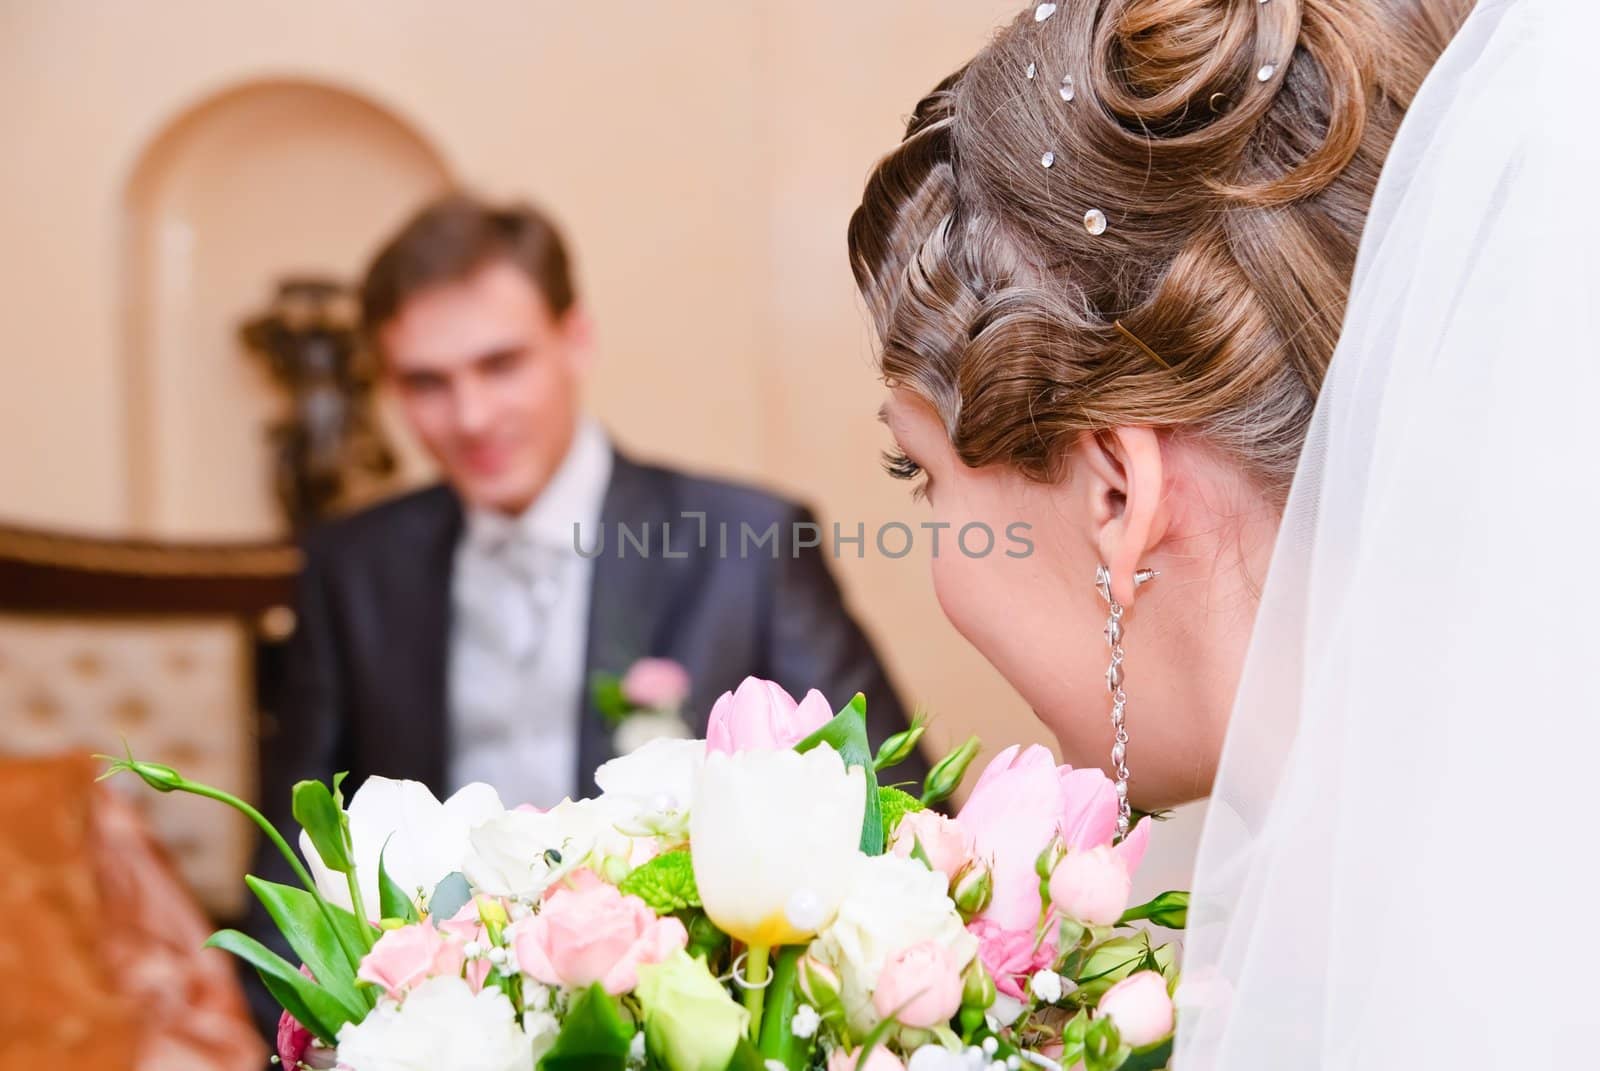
(450, 635)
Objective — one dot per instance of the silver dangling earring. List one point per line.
(1119, 698)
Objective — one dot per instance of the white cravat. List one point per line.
(520, 601)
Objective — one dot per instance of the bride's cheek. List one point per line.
(962, 593)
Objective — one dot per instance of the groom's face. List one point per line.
(488, 377)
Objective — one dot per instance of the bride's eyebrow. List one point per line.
(883, 413)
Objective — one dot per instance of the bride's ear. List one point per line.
(1123, 483)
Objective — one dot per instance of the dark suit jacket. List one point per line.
(365, 676)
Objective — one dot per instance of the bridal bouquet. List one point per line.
(755, 900)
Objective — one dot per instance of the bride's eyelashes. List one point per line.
(901, 467)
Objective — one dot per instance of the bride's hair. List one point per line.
(1231, 147)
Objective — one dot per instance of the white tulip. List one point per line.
(427, 840)
(771, 831)
(442, 1026)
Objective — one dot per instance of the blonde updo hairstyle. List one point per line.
(1232, 147)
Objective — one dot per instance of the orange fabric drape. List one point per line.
(101, 965)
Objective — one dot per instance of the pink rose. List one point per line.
(1140, 1007)
(880, 1059)
(402, 959)
(760, 716)
(1021, 803)
(1092, 886)
(1011, 956)
(946, 842)
(656, 683)
(594, 934)
(920, 986)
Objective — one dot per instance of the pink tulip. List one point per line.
(1011, 956)
(1021, 803)
(1131, 850)
(946, 842)
(1092, 886)
(1140, 1007)
(880, 1059)
(402, 959)
(761, 716)
(1088, 808)
(594, 934)
(656, 684)
(920, 986)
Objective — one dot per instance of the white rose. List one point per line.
(442, 1026)
(651, 788)
(520, 853)
(893, 903)
(427, 840)
(646, 727)
(662, 771)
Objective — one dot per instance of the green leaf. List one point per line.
(706, 941)
(746, 1058)
(299, 918)
(1170, 909)
(1150, 1058)
(783, 999)
(666, 883)
(1109, 963)
(449, 897)
(847, 734)
(895, 804)
(605, 692)
(393, 901)
(323, 822)
(314, 1007)
(593, 1036)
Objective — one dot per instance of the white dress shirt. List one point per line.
(519, 633)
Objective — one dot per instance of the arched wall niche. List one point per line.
(262, 180)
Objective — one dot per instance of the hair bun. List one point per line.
(1169, 66)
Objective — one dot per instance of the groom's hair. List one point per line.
(451, 238)
(1139, 213)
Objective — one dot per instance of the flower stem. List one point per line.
(354, 955)
(755, 990)
(360, 905)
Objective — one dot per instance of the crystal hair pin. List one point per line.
(1043, 11)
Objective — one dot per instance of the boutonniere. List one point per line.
(643, 704)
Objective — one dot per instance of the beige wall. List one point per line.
(704, 156)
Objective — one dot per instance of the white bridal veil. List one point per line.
(1398, 867)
